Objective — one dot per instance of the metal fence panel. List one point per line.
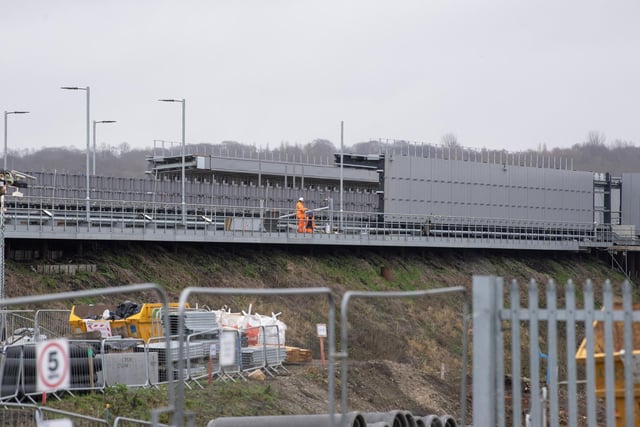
(52, 323)
(88, 372)
(11, 372)
(606, 352)
(17, 326)
(18, 415)
(204, 363)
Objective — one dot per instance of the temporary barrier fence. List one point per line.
(52, 323)
(86, 361)
(17, 326)
(274, 350)
(11, 372)
(344, 311)
(252, 354)
(29, 415)
(131, 422)
(18, 415)
(165, 352)
(204, 357)
(45, 414)
(83, 367)
(609, 353)
(234, 336)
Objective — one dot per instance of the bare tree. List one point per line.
(595, 138)
(450, 140)
(319, 149)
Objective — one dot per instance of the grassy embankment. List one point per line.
(421, 333)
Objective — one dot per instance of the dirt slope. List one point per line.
(398, 348)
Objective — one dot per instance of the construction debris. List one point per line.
(257, 375)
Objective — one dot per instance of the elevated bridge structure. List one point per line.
(117, 220)
(408, 198)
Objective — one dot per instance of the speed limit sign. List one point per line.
(52, 365)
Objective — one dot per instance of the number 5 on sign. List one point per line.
(52, 365)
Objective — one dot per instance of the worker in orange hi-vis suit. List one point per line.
(301, 214)
(310, 223)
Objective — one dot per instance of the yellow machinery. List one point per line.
(146, 323)
(618, 357)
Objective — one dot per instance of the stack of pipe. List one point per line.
(353, 419)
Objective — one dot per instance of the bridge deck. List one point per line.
(68, 219)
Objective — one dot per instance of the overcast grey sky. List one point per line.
(497, 74)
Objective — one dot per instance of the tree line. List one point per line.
(594, 154)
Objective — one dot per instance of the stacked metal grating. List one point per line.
(260, 356)
(194, 322)
(253, 357)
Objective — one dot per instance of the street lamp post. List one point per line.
(3, 189)
(94, 141)
(184, 211)
(6, 113)
(88, 90)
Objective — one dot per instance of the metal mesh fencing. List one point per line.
(17, 326)
(131, 422)
(48, 415)
(203, 361)
(18, 415)
(52, 323)
(234, 342)
(158, 350)
(252, 353)
(274, 349)
(11, 373)
(91, 364)
(83, 365)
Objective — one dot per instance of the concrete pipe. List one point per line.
(354, 419)
(419, 422)
(380, 424)
(393, 418)
(448, 421)
(411, 420)
(432, 421)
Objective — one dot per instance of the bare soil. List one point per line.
(373, 386)
(397, 347)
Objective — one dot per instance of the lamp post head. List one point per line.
(104, 121)
(171, 100)
(16, 112)
(74, 88)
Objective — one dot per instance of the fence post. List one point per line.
(484, 348)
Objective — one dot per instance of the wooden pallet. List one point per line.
(298, 355)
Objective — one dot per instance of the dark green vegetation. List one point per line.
(392, 342)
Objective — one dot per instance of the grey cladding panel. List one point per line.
(630, 199)
(475, 189)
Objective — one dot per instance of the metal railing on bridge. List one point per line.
(121, 220)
